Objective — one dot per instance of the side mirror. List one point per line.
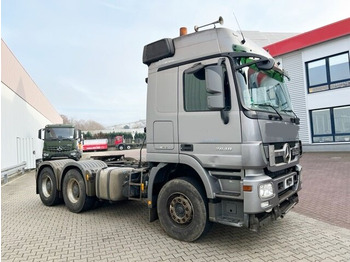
(214, 77)
(40, 133)
(77, 134)
(266, 64)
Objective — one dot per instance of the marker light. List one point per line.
(183, 31)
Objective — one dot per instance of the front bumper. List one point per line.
(255, 221)
(259, 211)
(65, 154)
(284, 187)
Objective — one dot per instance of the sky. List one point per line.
(86, 55)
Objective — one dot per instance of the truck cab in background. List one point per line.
(60, 141)
(121, 144)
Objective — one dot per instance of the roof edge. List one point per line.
(316, 36)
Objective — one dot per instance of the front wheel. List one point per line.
(47, 187)
(182, 209)
(74, 193)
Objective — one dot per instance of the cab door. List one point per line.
(208, 116)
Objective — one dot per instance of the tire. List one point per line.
(183, 209)
(74, 193)
(121, 147)
(128, 147)
(47, 187)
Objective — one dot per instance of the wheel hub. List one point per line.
(73, 191)
(181, 210)
(47, 187)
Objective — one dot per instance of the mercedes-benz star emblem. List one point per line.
(287, 153)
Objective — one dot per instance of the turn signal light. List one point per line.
(247, 188)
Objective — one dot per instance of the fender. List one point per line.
(56, 166)
(61, 167)
(86, 167)
(210, 183)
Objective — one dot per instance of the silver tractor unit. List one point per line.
(222, 141)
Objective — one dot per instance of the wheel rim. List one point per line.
(47, 186)
(73, 191)
(180, 209)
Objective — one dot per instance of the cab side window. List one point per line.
(195, 91)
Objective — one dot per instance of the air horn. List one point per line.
(220, 21)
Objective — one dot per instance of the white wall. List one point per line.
(20, 123)
(329, 98)
(24, 110)
(294, 64)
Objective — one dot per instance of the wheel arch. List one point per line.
(188, 167)
(56, 166)
(84, 167)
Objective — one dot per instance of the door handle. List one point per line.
(186, 147)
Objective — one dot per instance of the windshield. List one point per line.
(60, 133)
(263, 90)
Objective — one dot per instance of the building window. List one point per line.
(330, 124)
(328, 73)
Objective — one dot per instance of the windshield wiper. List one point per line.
(296, 119)
(268, 105)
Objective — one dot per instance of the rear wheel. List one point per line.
(74, 193)
(182, 209)
(47, 187)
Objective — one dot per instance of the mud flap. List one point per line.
(153, 214)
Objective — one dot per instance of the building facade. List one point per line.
(24, 110)
(318, 64)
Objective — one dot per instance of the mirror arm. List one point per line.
(225, 116)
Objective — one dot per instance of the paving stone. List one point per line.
(318, 228)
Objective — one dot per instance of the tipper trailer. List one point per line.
(222, 141)
(95, 144)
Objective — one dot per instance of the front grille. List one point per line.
(59, 148)
(283, 153)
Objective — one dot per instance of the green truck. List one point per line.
(60, 141)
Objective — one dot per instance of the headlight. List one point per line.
(266, 190)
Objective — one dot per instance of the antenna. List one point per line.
(243, 40)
